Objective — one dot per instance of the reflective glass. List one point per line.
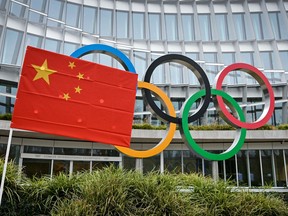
(230, 168)
(242, 168)
(34, 40)
(105, 152)
(106, 22)
(89, 19)
(61, 166)
(255, 172)
(38, 5)
(222, 26)
(122, 24)
(279, 168)
(12, 52)
(277, 22)
(96, 165)
(284, 58)
(72, 151)
(140, 62)
(155, 26)
(211, 69)
(151, 164)
(73, 15)
(36, 167)
(172, 161)
(56, 9)
(52, 45)
(70, 48)
(192, 78)
(38, 149)
(138, 25)
(259, 26)
(171, 27)
(129, 163)
(239, 26)
(3, 4)
(176, 73)
(205, 27)
(234, 76)
(19, 10)
(191, 162)
(267, 167)
(81, 166)
(188, 27)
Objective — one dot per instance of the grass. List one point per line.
(114, 191)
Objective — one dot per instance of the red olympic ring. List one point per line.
(265, 85)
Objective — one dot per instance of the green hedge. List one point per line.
(113, 191)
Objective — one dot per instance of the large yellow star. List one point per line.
(43, 72)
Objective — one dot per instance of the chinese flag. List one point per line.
(65, 96)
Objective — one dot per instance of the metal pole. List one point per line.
(5, 164)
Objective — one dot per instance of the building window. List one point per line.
(242, 168)
(211, 69)
(37, 6)
(268, 175)
(34, 40)
(73, 15)
(284, 58)
(138, 25)
(240, 26)
(277, 22)
(151, 164)
(155, 26)
(3, 4)
(192, 79)
(259, 26)
(7, 103)
(19, 10)
(89, 19)
(234, 76)
(56, 9)
(106, 22)
(176, 73)
(279, 168)
(222, 27)
(69, 48)
(268, 62)
(52, 45)
(255, 172)
(140, 63)
(122, 24)
(171, 27)
(205, 27)
(188, 27)
(12, 52)
(158, 75)
(173, 161)
(248, 57)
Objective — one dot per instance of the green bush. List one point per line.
(113, 191)
(283, 127)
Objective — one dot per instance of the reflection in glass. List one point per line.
(72, 151)
(140, 63)
(191, 162)
(172, 161)
(266, 156)
(138, 25)
(56, 9)
(254, 162)
(259, 26)
(277, 22)
(38, 5)
(242, 168)
(106, 22)
(52, 45)
(188, 27)
(239, 25)
(176, 73)
(230, 168)
(122, 24)
(38, 149)
(36, 167)
(89, 19)
(70, 48)
(151, 164)
(18, 10)
(129, 163)
(12, 52)
(61, 166)
(34, 40)
(279, 168)
(105, 152)
(205, 27)
(73, 15)
(171, 27)
(222, 26)
(80, 166)
(96, 165)
(154, 26)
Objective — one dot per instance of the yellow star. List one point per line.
(80, 76)
(43, 72)
(71, 65)
(66, 96)
(78, 89)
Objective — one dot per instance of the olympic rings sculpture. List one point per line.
(220, 99)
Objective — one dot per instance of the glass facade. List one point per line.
(215, 34)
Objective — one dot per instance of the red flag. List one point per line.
(61, 95)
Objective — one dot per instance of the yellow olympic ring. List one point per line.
(170, 129)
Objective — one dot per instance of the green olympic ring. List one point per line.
(190, 142)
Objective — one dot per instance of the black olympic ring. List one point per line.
(199, 73)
